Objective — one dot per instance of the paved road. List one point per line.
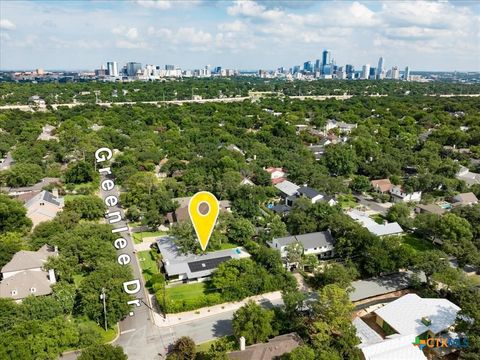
(371, 204)
(137, 333)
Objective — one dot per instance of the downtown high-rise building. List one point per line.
(112, 68)
(381, 68)
(365, 71)
(132, 68)
(308, 66)
(395, 73)
(406, 74)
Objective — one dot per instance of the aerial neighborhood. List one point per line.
(346, 229)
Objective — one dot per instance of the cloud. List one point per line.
(167, 4)
(125, 44)
(129, 33)
(250, 8)
(6, 24)
(182, 35)
(235, 26)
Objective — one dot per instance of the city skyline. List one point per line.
(245, 35)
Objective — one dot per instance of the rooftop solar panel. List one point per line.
(207, 264)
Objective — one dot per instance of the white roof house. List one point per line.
(405, 314)
(287, 188)
(371, 225)
(397, 348)
(409, 316)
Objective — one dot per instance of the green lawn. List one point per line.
(137, 237)
(347, 201)
(147, 263)
(416, 243)
(71, 197)
(187, 291)
(379, 219)
(226, 246)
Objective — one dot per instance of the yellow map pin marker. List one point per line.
(203, 209)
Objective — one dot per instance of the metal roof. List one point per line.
(287, 187)
(405, 314)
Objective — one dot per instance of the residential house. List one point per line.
(309, 193)
(191, 267)
(465, 199)
(400, 195)
(342, 126)
(47, 133)
(382, 185)
(317, 150)
(288, 191)
(277, 175)
(271, 350)
(24, 274)
(468, 176)
(28, 189)
(385, 229)
(321, 244)
(42, 206)
(397, 325)
(429, 209)
(181, 213)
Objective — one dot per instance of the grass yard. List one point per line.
(205, 346)
(187, 291)
(138, 237)
(416, 243)
(379, 219)
(71, 197)
(226, 246)
(347, 201)
(147, 263)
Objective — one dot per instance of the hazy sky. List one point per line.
(439, 35)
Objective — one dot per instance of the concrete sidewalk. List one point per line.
(267, 299)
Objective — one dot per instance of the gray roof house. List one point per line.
(191, 267)
(24, 275)
(44, 206)
(465, 199)
(319, 243)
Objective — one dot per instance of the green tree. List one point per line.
(340, 159)
(303, 352)
(294, 253)
(89, 207)
(399, 213)
(184, 238)
(341, 275)
(79, 172)
(24, 174)
(110, 276)
(13, 215)
(240, 230)
(183, 349)
(332, 327)
(360, 184)
(103, 352)
(253, 323)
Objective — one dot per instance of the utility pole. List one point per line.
(104, 297)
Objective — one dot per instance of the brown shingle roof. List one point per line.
(382, 185)
(273, 349)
